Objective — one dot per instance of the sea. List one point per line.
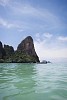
(31, 81)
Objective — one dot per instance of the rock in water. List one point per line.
(27, 47)
(9, 50)
(2, 52)
(25, 52)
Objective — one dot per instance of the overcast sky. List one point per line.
(44, 20)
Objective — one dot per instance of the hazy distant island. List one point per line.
(25, 52)
(44, 62)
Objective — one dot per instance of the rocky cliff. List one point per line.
(27, 47)
(2, 52)
(9, 50)
(25, 52)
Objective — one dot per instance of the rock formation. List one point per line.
(27, 47)
(9, 50)
(25, 52)
(2, 51)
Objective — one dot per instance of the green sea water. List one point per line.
(33, 81)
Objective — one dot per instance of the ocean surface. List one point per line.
(33, 81)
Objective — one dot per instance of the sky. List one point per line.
(44, 20)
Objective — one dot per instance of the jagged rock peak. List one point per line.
(29, 38)
(25, 52)
(2, 51)
(1, 44)
(27, 46)
(8, 49)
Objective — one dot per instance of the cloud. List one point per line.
(20, 30)
(44, 52)
(47, 35)
(25, 12)
(38, 37)
(47, 48)
(43, 36)
(62, 38)
(8, 25)
(42, 18)
(38, 13)
(4, 2)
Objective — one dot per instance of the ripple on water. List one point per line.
(33, 82)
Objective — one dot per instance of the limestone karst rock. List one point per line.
(2, 51)
(9, 50)
(25, 52)
(27, 47)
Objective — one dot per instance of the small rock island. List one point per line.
(25, 52)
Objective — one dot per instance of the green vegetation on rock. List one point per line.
(25, 52)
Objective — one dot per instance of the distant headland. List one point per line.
(25, 52)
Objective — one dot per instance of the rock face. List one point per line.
(27, 47)
(25, 52)
(9, 50)
(2, 51)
